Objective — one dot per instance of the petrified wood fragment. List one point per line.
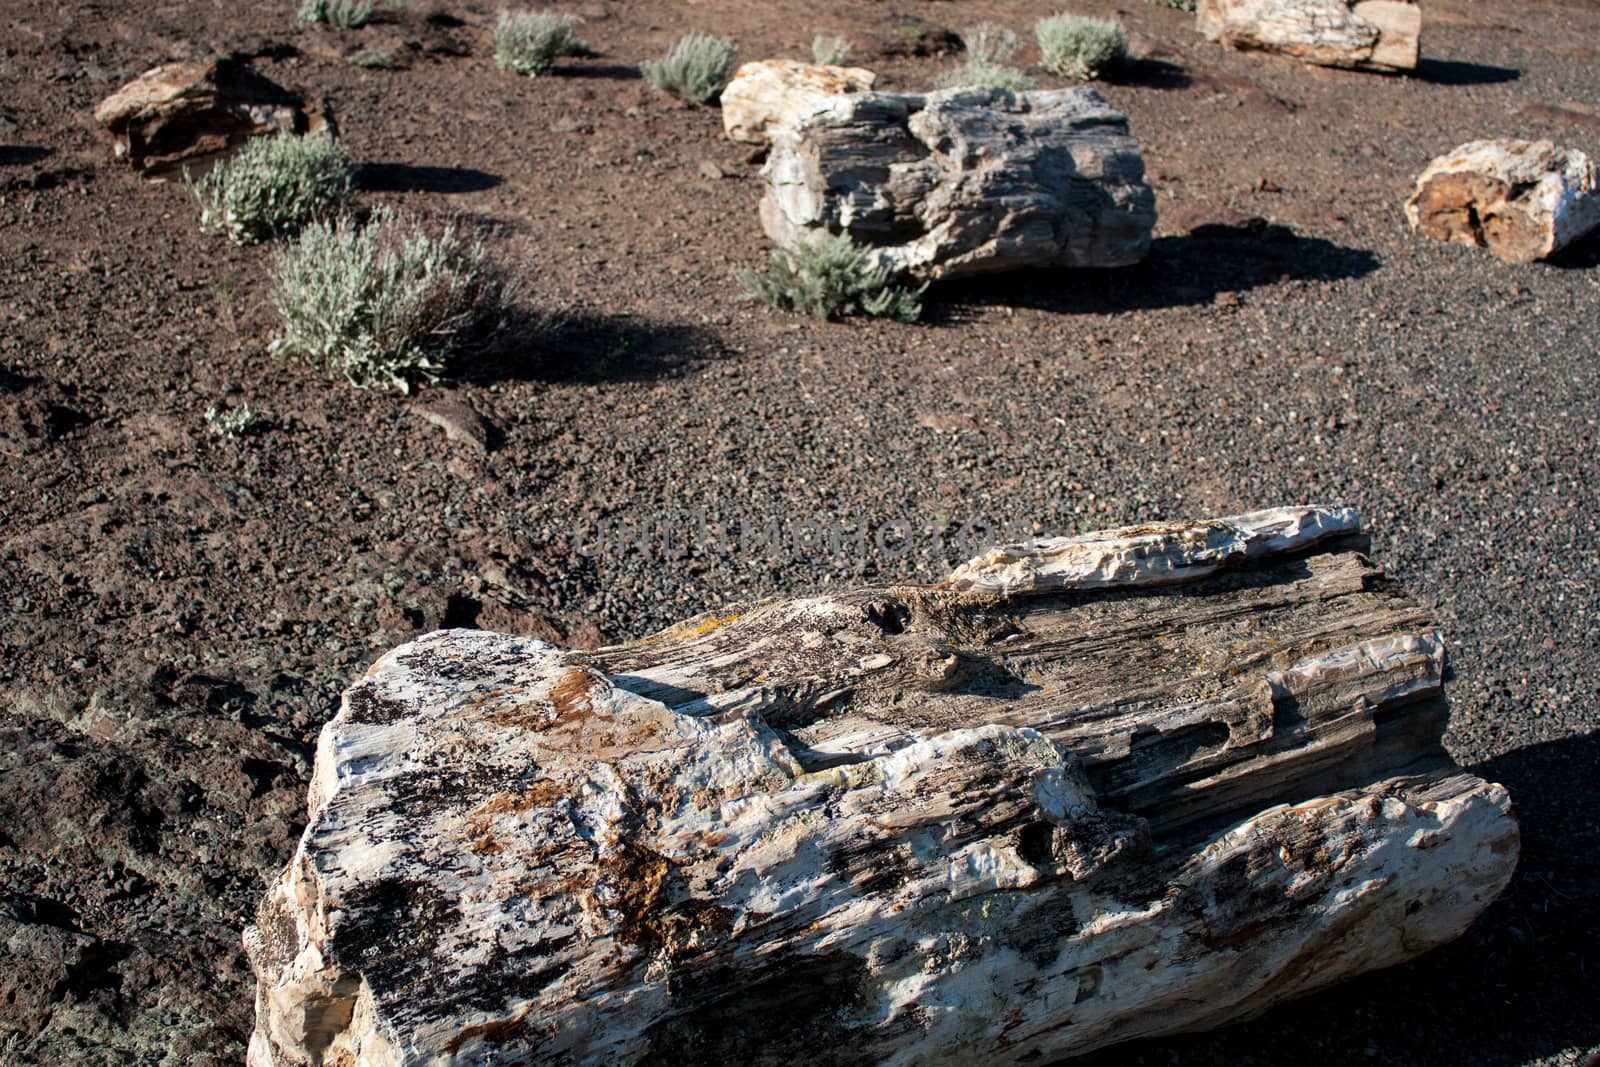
(1525, 200)
(771, 92)
(183, 112)
(1367, 34)
(963, 181)
(1144, 781)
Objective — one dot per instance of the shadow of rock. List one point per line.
(1520, 985)
(405, 178)
(583, 347)
(1582, 254)
(1179, 272)
(12, 155)
(1454, 72)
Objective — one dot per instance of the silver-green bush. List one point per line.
(695, 69)
(347, 14)
(274, 186)
(830, 278)
(1180, 5)
(988, 61)
(830, 51)
(383, 305)
(1076, 46)
(530, 42)
(374, 59)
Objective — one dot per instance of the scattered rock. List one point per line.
(185, 112)
(710, 168)
(964, 181)
(458, 419)
(1523, 200)
(774, 92)
(1365, 34)
(910, 36)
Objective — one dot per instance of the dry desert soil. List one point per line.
(181, 610)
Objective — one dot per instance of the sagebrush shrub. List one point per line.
(374, 59)
(347, 14)
(1076, 46)
(830, 278)
(988, 61)
(695, 69)
(385, 304)
(274, 186)
(1180, 5)
(530, 42)
(830, 51)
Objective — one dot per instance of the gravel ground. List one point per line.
(182, 611)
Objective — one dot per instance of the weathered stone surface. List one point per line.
(1524, 200)
(773, 92)
(1365, 34)
(189, 111)
(964, 181)
(1046, 807)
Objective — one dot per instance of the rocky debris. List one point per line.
(773, 92)
(184, 112)
(964, 181)
(1364, 34)
(913, 37)
(1523, 200)
(459, 420)
(1006, 817)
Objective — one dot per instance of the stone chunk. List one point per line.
(773, 92)
(1524, 200)
(964, 181)
(1365, 34)
(1012, 818)
(184, 112)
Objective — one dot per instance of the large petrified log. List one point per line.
(1365, 34)
(769, 93)
(1525, 200)
(1090, 789)
(963, 181)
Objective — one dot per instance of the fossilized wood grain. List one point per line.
(772, 92)
(1369, 34)
(963, 181)
(1524, 200)
(1077, 794)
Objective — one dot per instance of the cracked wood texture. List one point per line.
(1087, 789)
(1382, 35)
(1523, 200)
(962, 181)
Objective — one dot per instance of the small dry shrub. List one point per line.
(530, 42)
(274, 186)
(988, 61)
(830, 278)
(385, 304)
(1076, 46)
(695, 70)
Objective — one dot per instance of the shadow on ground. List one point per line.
(14, 155)
(1148, 74)
(1178, 272)
(405, 178)
(583, 347)
(1521, 984)
(1455, 72)
(1583, 254)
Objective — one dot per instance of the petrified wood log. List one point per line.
(1365, 34)
(1525, 200)
(1090, 789)
(963, 181)
(772, 92)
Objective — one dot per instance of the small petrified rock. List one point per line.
(772, 92)
(1150, 780)
(1525, 200)
(963, 181)
(1364, 34)
(183, 112)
